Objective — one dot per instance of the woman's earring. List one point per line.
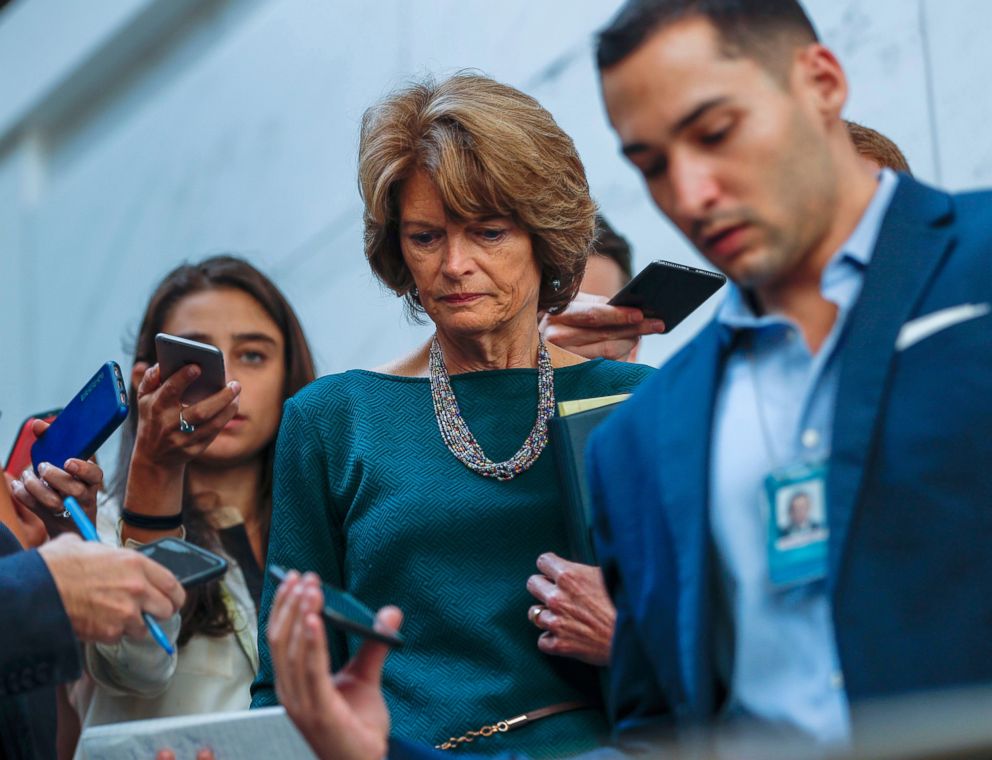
(556, 284)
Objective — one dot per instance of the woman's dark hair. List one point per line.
(610, 244)
(205, 611)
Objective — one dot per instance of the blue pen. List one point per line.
(89, 533)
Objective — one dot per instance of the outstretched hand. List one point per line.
(590, 327)
(342, 716)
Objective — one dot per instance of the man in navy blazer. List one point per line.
(888, 283)
(50, 599)
(850, 359)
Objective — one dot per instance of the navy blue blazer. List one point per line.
(909, 485)
(37, 651)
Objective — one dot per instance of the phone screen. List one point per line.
(190, 564)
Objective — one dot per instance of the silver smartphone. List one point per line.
(174, 353)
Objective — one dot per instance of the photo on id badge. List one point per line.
(796, 516)
(799, 515)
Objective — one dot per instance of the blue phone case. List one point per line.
(86, 422)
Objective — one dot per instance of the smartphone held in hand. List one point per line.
(86, 422)
(174, 353)
(346, 613)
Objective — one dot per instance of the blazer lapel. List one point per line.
(914, 238)
(682, 472)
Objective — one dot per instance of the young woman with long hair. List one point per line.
(203, 472)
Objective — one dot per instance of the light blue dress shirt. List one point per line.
(785, 668)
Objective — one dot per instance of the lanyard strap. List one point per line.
(766, 433)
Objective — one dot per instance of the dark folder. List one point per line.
(569, 435)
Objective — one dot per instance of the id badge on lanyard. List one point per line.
(796, 523)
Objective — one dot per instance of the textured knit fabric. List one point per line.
(368, 496)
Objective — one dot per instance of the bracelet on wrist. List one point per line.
(151, 522)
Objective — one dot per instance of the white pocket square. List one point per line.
(923, 327)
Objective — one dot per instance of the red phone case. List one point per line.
(19, 458)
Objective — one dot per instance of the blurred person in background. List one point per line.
(211, 485)
(588, 325)
(608, 269)
(877, 150)
(609, 266)
(428, 482)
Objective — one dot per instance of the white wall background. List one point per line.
(135, 134)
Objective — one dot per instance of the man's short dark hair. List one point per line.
(611, 245)
(751, 28)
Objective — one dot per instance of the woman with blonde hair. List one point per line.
(429, 483)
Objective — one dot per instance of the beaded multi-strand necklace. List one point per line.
(459, 439)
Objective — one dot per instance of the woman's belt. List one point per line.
(502, 726)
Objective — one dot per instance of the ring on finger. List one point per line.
(184, 425)
(535, 613)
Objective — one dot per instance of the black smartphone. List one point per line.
(345, 612)
(174, 353)
(668, 291)
(191, 564)
(86, 422)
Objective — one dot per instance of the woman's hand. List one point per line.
(162, 448)
(25, 524)
(575, 612)
(590, 327)
(343, 716)
(43, 493)
(159, 439)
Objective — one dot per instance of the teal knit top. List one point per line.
(367, 496)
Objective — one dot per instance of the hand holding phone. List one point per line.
(43, 494)
(346, 613)
(163, 446)
(589, 326)
(163, 440)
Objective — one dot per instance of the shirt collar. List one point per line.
(735, 312)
